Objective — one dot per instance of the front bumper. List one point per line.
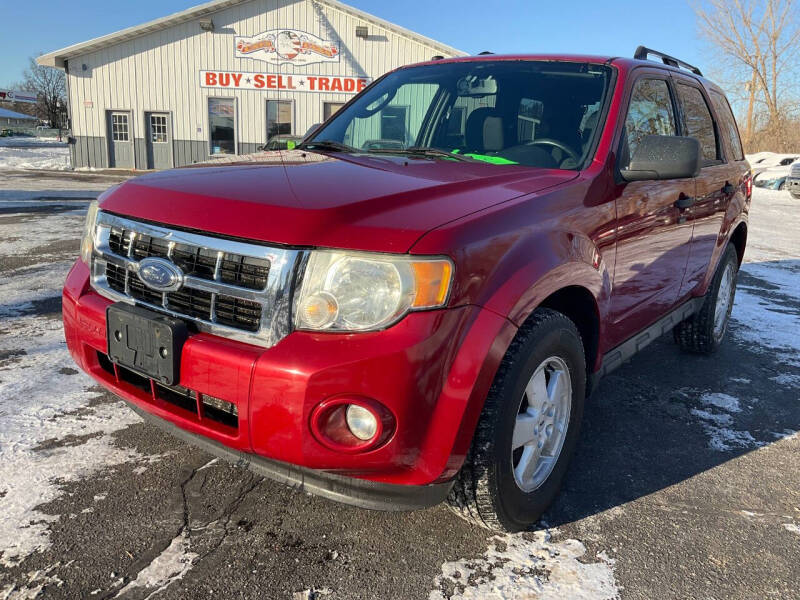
(432, 371)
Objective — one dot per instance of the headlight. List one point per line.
(87, 243)
(343, 291)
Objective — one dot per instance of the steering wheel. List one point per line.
(560, 145)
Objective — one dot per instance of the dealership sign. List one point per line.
(236, 80)
(280, 46)
(14, 96)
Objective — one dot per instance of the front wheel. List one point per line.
(528, 429)
(702, 333)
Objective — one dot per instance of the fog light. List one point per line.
(361, 422)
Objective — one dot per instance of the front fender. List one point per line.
(563, 260)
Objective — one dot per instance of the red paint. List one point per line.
(516, 236)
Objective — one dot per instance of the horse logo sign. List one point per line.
(281, 46)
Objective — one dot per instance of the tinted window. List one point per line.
(699, 123)
(222, 125)
(728, 125)
(649, 113)
(279, 118)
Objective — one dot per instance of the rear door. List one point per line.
(717, 183)
(159, 140)
(653, 235)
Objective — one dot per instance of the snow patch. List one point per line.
(787, 379)
(787, 434)
(792, 527)
(721, 437)
(530, 566)
(723, 401)
(720, 420)
(166, 568)
(32, 584)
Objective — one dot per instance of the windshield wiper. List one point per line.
(329, 145)
(421, 151)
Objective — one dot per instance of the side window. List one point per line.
(699, 123)
(649, 113)
(728, 124)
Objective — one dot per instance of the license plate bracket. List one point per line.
(146, 341)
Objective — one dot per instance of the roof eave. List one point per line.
(58, 58)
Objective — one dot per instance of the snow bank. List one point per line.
(53, 157)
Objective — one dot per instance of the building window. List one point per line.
(393, 123)
(279, 118)
(222, 125)
(119, 127)
(158, 129)
(330, 109)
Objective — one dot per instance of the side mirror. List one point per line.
(664, 157)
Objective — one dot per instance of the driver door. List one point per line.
(653, 235)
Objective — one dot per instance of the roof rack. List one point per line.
(643, 52)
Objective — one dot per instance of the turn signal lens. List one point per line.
(319, 310)
(433, 282)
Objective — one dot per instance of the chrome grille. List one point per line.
(234, 289)
(245, 271)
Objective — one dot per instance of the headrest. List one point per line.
(493, 134)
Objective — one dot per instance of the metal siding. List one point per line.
(159, 71)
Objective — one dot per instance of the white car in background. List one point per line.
(771, 170)
(793, 182)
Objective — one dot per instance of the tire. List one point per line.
(703, 332)
(795, 196)
(547, 349)
(782, 186)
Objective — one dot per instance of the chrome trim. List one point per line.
(274, 298)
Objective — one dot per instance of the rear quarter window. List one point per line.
(730, 132)
(699, 123)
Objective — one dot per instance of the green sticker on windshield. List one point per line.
(495, 160)
(290, 145)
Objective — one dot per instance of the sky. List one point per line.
(614, 27)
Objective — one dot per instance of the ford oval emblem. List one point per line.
(160, 274)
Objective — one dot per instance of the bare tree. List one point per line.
(50, 88)
(760, 40)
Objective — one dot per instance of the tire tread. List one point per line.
(471, 496)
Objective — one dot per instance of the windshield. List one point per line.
(531, 113)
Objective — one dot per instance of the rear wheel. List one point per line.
(702, 333)
(528, 429)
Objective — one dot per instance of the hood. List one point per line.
(300, 198)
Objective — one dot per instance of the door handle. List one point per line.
(728, 189)
(684, 202)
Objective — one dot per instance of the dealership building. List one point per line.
(224, 77)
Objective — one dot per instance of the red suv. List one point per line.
(413, 305)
